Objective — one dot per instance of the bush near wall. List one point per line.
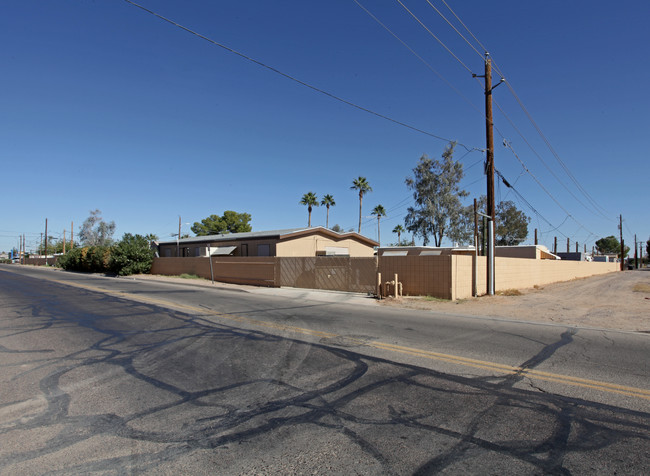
(91, 259)
(131, 255)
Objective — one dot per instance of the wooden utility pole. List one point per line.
(64, 241)
(555, 245)
(636, 256)
(489, 170)
(568, 244)
(536, 237)
(178, 237)
(620, 227)
(576, 246)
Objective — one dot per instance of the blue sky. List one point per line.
(105, 106)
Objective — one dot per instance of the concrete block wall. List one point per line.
(419, 275)
(514, 273)
(259, 271)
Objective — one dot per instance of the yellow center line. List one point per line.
(454, 359)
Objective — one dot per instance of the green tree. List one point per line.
(337, 228)
(435, 184)
(399, 229)
(328, 201)
(511, 226)
(361, 184)
(95, 231)
(610, 245)
(379, 211)
(230, 222)
(131, 255)
(310, 200)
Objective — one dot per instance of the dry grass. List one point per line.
(641, 288)
(510, 292)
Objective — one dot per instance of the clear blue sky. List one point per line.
(105, 106)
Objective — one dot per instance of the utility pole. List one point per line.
(489, 169)
(555, 245)
(568, 244)
(64, 241)
(620, 227)
(178, 237)
(71, 234)
(636, 256)
(536, 237)
(46, 242)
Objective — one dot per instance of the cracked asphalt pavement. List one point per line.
(118, 376)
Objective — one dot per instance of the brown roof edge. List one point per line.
(333, 234)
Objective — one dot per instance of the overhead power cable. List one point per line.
(596, 206)
(296, 80)
(434, 36)
(455, 29)
(521, 197)
(550, 147)
(485, 50)
(425, 62)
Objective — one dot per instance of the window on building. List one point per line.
(264, 250)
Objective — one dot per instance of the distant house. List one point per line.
(314, 241)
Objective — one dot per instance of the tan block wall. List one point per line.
(419, 275)
(253, 270)
(309, 245)
(514, 273)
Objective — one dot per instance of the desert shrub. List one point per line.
(93, 259)
(131, 255)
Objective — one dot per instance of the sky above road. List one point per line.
(105, 106)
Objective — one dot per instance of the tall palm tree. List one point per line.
(328, 201)
(311, 200)
(379, 211)
(399, 229)
(362, 185)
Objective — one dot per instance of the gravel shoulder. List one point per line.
(618, 301)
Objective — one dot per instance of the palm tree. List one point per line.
(380, 211)
(311, 200)
(399, 229)
(362, 185)
(328, 201)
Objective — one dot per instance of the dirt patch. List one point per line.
(612, 301)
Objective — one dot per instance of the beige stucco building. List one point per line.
(520, 251)
(294, 242)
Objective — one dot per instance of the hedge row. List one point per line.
(131, 255)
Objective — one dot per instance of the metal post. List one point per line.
(491, 257)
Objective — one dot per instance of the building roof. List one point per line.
(286, 233)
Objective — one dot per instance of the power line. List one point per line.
(442, 78)
(550, 147)
(434, 36)
(454, 28)
(296, 80)
(597, 207)
(485, 50)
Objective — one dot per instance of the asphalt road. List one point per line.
(119, 376)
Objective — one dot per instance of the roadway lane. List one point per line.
(234, 383)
